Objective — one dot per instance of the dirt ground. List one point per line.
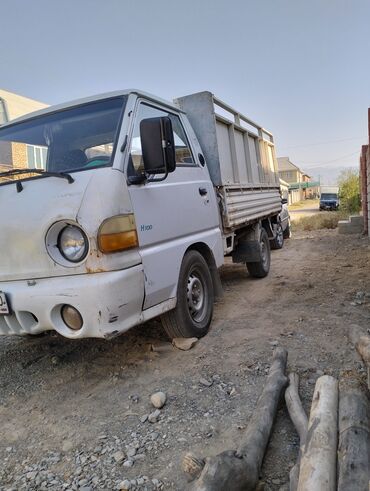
(72, 412)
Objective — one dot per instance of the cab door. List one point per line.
(171, 214)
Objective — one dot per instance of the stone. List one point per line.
(153, 417)
(205, 382)
(144, 418)
(184, 344)
(131, 451)
(119, 456)
(67, 445)
(124, 485)
(128, 463)
(158, 399)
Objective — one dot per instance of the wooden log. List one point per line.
(299, 418)
(354, 434)
(296, 412)
(238, 470)
(319, 456)
(361, 341)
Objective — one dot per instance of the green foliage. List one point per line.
(324, 219)
(349, 191)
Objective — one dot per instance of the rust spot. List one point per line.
(95, 270)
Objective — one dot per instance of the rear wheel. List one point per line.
(195, 297)
(261, 268)
(278, 241)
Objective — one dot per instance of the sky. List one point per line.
(298, 67)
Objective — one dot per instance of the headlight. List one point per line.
(72, 243)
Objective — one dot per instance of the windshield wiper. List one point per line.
(18, 172)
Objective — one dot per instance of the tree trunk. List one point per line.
(318, 462)
(239, 470)
(300, 421)
(354, 435)
(362, 343)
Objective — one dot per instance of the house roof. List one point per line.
(18, 105)
(285, 164)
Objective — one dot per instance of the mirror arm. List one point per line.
(138, 179)
(158, 180)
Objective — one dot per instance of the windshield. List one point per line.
(326, 196)
(65, 141)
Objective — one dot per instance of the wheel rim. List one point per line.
(196, 293)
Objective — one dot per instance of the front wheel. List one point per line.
(261, 268)
(195, 297)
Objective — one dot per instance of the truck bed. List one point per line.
(240, 157)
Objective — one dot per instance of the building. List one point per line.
(300, 185)
(365, 180)
(13, 106)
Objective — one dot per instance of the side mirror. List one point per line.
(158, 146)
(284, 201)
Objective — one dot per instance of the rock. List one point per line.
(131, 451)
(158, 399)
(153, 417)
(162, 347)
(119, 456)
(205, 382)
(144, 418)
(184, 344)
(124, 485)
(128, 463)
(67, 445)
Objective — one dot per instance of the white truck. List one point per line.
(121, 207)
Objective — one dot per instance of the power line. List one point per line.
(318, 164)
(326, 142)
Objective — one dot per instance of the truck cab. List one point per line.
(113, 213)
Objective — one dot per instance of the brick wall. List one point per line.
(19, 155)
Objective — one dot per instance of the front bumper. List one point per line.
(109, 303)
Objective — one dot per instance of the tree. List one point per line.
(349, 190)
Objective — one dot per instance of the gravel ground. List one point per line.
(77, 415)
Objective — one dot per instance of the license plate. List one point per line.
(4, 306)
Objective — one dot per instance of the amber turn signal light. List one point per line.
(117, 233)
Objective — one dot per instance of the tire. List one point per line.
(287, 232)
(278, 241)
(195, 285)
(261, 268)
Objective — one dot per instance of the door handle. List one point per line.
(203, 191)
